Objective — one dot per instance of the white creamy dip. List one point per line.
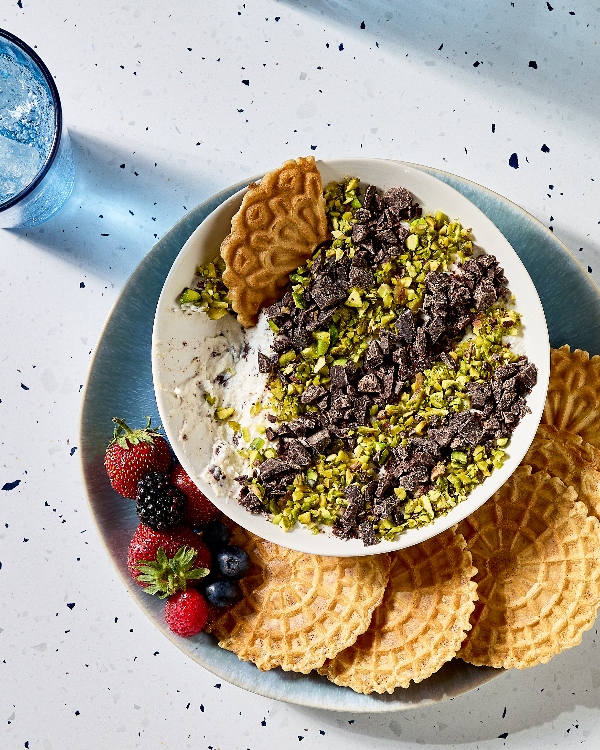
(224, 374)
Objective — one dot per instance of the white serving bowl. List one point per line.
(174, 335)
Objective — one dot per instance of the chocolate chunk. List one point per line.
(323, 404)
(361, 278)
(387, 380)
(373, 356)
(362, 215)
(412, 480)
(282, 343)
(300, 338)
(274, 467)
(298, 428)
(484, 295)
(339, 377)
(312, 393)
(387, 237)
(527, 378)
(341, 401)
(360, 232)
(367, 534)
(397, 199)
(405, 325)
(264, 363)
(360, 406)
(509, 370)
(327, 294)
(297, 453)
(319, 441)
(370, 201)
(369, 384)
(385, 507)
(479, 394)
(251, 503)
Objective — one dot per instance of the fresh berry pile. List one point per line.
(180, 551)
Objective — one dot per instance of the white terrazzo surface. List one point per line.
(167, 103)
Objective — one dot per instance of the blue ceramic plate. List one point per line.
(120, 383)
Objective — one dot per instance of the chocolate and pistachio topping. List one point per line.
(393, 391)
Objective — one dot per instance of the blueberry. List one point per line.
(222, 593)
(233, 562)
(216, 535)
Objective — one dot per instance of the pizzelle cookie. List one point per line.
(566, 456)
(537, 553)
(573, 400)
(298, 609)
(278, 227)
(420, 623)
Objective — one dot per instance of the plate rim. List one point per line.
(383, 707)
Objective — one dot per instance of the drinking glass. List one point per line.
(37, 171)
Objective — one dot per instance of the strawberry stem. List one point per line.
(124, 436)
(165, 576)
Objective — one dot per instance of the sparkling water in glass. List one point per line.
(37, 171)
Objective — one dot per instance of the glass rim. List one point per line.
(58, 120)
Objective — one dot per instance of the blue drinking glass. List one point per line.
(37, 171)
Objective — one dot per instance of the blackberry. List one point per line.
(159, 503)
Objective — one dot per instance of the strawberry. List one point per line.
(186, 613)
(199, 510)
(133, 453)
(164, 562)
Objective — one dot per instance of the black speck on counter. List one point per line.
(24, 387)
(589, 269)
(533, 64)
(218, 685)
(341, 48)
(362, 25)
(476, 64)
(122, 166)
(549, 6)
(504, 712)
(81, 285)
(503, 736)
(263, 723)
(321, 731)
(493, 127)
(11, 485)
(545, 148)
(73, 449)
(246, 82)
(313, 148)
(70, 605)
(514, 161)
(202, 708)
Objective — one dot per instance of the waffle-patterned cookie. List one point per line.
(537, 553)
(298, 609)
(420, 623)
(279, 225)
(573, 400)
(567, 457)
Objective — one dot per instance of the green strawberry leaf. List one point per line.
(165, 576)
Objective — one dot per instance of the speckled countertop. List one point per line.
(167, 103)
